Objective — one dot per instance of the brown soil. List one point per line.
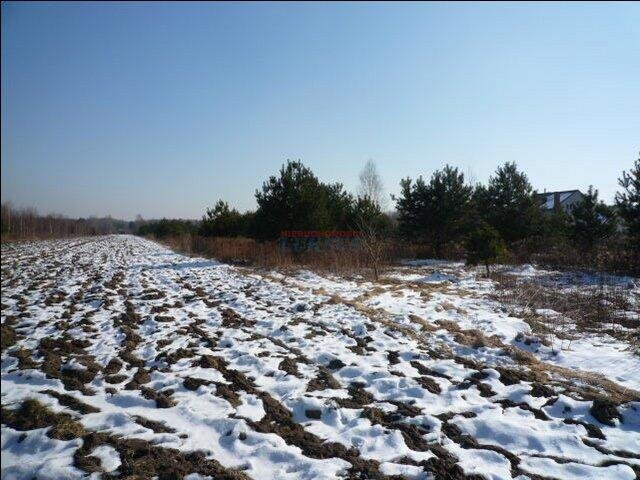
(143, 460)
(605, 411)
(359, 397)
(72, 402)
(32, 414)
(323, 381)
(157, 427)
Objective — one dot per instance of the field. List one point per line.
(121, 358)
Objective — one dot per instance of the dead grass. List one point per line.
(268, 254)
(246, 251)
(587, 385)
(589, 309)
(476, 339)
(8, 336)
(33, 414)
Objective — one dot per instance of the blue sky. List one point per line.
(161, 109)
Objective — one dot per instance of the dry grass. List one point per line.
(33, 414)
(588, 309)
(268, 254)
(246, 251)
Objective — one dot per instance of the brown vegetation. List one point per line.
(268, 254)
(595, 308)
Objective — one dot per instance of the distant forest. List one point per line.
(27, 223)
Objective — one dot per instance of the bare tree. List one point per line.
(18, 223)
(371, 186)
(373, 242)
(369, 216)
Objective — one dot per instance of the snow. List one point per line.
(406, 471)
(435, 277)
(576, 471)
(603, 354)
(109, 457)
(320, 323)
(524, 271)
(37, 456)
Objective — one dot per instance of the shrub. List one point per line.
(484, 245)
(222, 221)
(167, 227)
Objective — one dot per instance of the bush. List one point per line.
(484, 245)
(222, 221)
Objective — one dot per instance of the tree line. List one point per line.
(446, 213)
(295, 199)
(489, 219)
(19, 223)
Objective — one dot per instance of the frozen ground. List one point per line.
(147, 363)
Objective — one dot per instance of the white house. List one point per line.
(556, 201)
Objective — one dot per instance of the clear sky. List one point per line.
(161, 109)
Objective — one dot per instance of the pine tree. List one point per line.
(412, 205)
(297, 200)
(484, 246)
(591, 220)
(437, 212)
(508, 204)
(222, 221)
(628, 201)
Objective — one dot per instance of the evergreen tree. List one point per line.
(484, 246)
(222, 221)
(591, 220)
(367, 213)
(166, 227)
(449, 206)
(508, 203)
(437, 212)
(555, 225)
(297, 200)
(411, 206)
(628, 201)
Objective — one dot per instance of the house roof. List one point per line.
(548, 198)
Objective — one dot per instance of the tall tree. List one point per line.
(437, 212)
(411, 206)
(508, 203)
(297, 200)
(371, 185)
(628, 201)
(591, 220)
(450, 201)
